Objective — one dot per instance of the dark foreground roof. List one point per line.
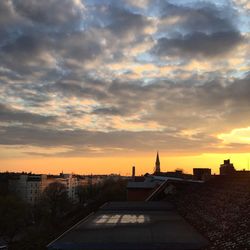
(3, 244)
(131, 226)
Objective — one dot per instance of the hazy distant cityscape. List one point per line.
(48, 205)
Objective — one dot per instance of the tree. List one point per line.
(112, 190)
(81, 193)
(56, 200)
(14, 216)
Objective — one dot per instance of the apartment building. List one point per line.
(30, 187)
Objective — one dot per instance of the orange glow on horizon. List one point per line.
(121, 165)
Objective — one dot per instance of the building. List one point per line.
(178, 173)
(71, 182)
(202, 173)
(140, 190)
(157, 164)
(227, 168)
(30, 187)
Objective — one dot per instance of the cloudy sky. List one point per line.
(99, 85)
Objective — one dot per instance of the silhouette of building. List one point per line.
(227, 168)
(157, 164)
(178, 173)
(133, 172)
(140, 190)
(202, 173)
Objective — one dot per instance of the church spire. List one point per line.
(157, 164)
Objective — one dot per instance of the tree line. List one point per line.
(24, 226)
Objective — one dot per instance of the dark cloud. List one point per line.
(6, 14)
(126, 140)
(203, 106)
(27, 54)
(209, 19)
(79, 46)
(51, 12)
(25, 47)
(76, 90)
(72, 111)
(199, 29)
(198, 17)
(107, 111)
(10, 23)
(8, 114)
(208, 45)
(124, 21)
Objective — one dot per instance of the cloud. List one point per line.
(124, 22)
(112, 75)
(34, 53)
(11, 115)
(107, 111)
(139, 4)
(124, 140)
(198, 17)
(211, 45)
(237, 136)
(51, 12)
(6, 13)
(79, 47)
(76, 90)
(200, 29)
(243, 4)
(177, 107)
(198, 44)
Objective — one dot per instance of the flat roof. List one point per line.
(141, 184)
(131, 226)
(137, 206)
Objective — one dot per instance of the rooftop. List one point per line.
(144, 184)
(131, 226)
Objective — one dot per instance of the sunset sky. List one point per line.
(97, 86)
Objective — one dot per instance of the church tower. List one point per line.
(157, 164)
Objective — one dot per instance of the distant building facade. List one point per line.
(30, 187)
(227, 168)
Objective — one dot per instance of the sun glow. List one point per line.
(239, 135)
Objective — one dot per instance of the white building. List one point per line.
(30, 187)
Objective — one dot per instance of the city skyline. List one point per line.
(186, 164)
(92, 86)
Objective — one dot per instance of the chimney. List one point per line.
(133, 172)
